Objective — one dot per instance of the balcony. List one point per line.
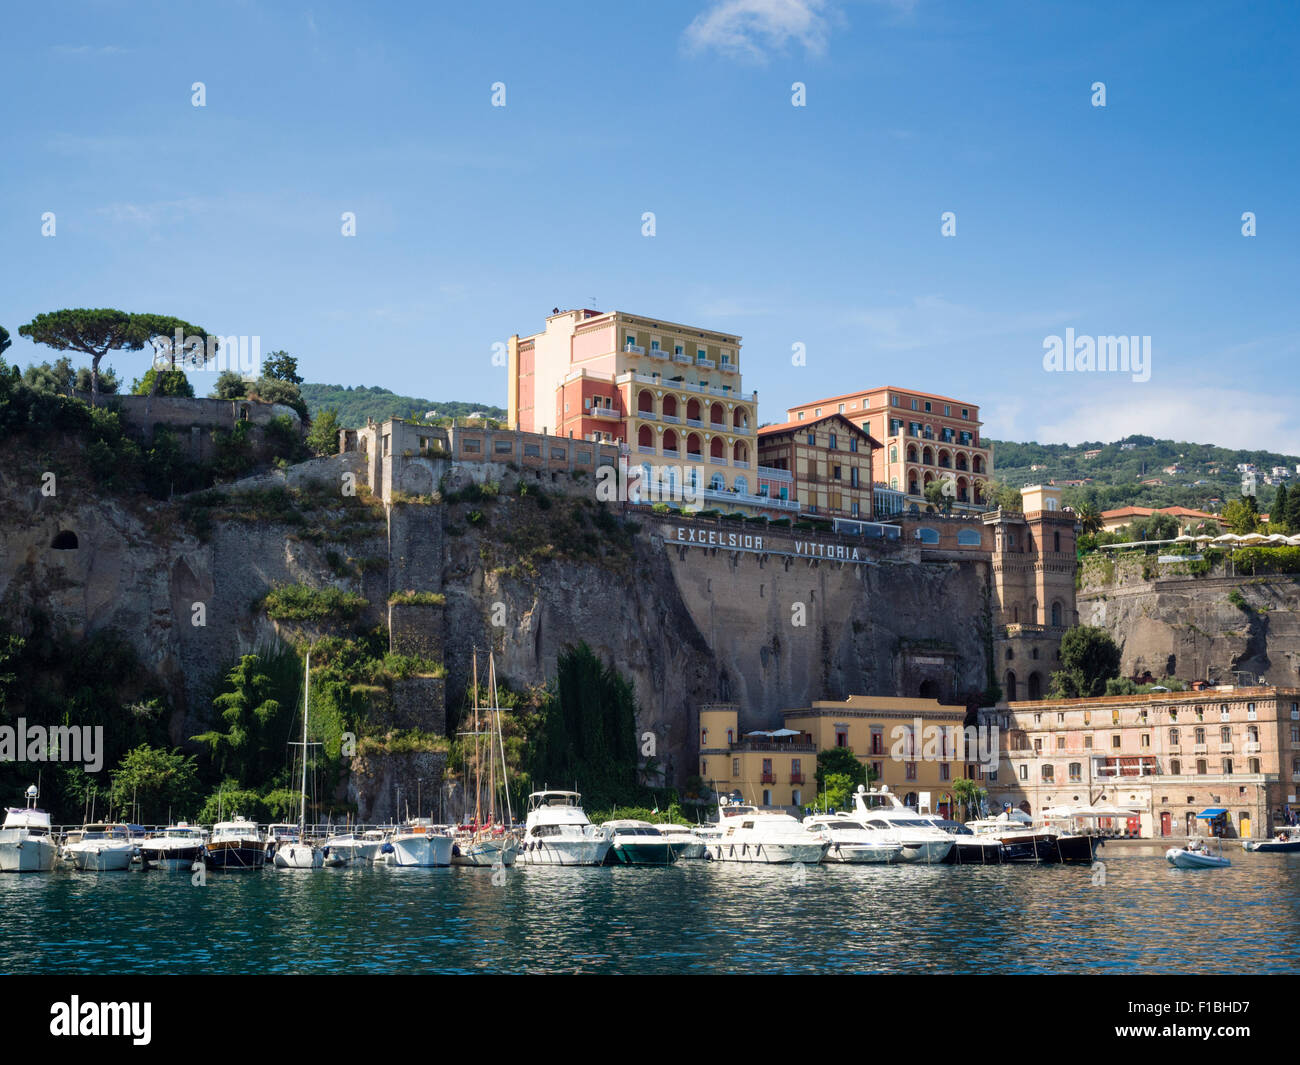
(1251, 747)
(768, 778)
(771, 473)
(670, 418)
(1200, 748)
(718, 460)
(741, 463)
(695, 422)
(720, 427)
(646, 450)
(1225, 748)
(634, 349)
(685, 360)
(608, 413)
(796, 778)
(727, 367)
(770, 502)
(706, 364)
(657, 353)
(647, 415)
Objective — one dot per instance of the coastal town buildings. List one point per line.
(670, 393)
(1225, 759)
(829, 460)
(1188, 518)
(926, 437)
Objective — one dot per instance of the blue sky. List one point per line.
(815, 225)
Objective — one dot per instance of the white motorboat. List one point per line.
(26, 845)
(1195, 856)
(175, 848)
(301, 853)
(918, 839)
(1287, 841)
(343, 849)
(684, 840)
(765, 837)
(557, 832)
(639, 843)
(852, 842)
(419, 842)
(100, 848)
(372, 844)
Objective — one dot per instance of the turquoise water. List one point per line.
(692, 917)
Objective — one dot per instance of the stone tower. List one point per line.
(1033, 590)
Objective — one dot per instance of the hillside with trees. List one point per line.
(1202, 473)
(355, 405)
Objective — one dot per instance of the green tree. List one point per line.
(96, 332)
(156, 784)
(937, 497)
(4, 339)
(969, 795)
(1004, 496)
(839, 760)
(324, 436)
(58, 377)
(281, 366)
(274, 390)
(1293, 510)
(1090, 519)
(1089, 658)
(1278, 513)
(108, 382)
(1241, 515)
(162, 383)
(229, 386)
(255, 709)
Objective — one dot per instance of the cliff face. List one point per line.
(1207, 627)
(688, 625)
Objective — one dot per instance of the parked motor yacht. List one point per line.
(685, 842)
(852, 842)
(372, 843)
(639, 843)
(278, 835)
(1287, 841)
(1021, 841)
(920, 840)
(177, 847)
(419, 842)
(26, 845)
(557, 832)
(100, 848)
(749, 834)
(235, 845)
(967, 847)
(343, 849)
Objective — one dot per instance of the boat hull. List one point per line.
(767, 853)
(171, 859)
(863, 853)
(426, 851)
(564, 851)
(23, 853)
(657, 852)
(1078, 849)
(925, 851)
(234, 857)
(1272, 846)
(298, 856)
(1184, 859)
(977, 853)
(485, 853)
(688, 849)
(113, 858)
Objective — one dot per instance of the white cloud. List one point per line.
(750, 29)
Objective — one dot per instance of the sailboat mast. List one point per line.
(478, 776)
(302, 812)
(492, 762)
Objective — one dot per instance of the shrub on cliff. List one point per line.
(298, 602)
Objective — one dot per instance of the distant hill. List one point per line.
(355, 405)
(1202, 472)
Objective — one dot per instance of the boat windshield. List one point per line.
(839, 826)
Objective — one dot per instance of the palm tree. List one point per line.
(1089, 518)
(968, 794)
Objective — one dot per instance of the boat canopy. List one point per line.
(1211, 813)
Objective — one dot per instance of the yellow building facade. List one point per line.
(767, 768)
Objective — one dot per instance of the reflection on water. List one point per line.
(695, 916)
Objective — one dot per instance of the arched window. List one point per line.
(718, 483)
(693, 445)
(717, 448)
(1010, 654)
(670, 441)
(717, 416)
(742, 485)
(645, 437)
(1035, 686)
(1010, 686)
(645, 403)
(927, 536)
(1173, 737)
(64, 540)
(1056, 614)
(670, 407)
(968, 538)
(1056, 541)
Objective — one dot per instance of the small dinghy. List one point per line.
(1195, 856)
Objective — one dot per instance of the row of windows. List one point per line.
(1143, 716)
(1047, 773)
(701, 355)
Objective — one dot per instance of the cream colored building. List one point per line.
(1169, 756)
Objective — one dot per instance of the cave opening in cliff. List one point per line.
(65, 540)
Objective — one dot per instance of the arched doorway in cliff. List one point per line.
(1035, 686)
(64, 540)
(929, 689)
(1010, 686)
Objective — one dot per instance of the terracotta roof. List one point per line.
(884, 388)
(789, 427)
(1146, 512)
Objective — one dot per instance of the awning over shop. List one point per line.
(1211, 813)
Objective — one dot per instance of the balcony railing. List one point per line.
(718, 460)
(685, 360)
(657, 353)
(771, 473)
(768, 778)
(695, 422)
(796, 778)
(670, 418)
(719, 426)
(707, 364)
(727, 367)
(771, 502)
(1251, 747)
(605, 412)
(741, 463)
(634, 349)
(646, 450)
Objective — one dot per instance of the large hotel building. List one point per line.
(670, 393)
(1225, 758)
(926, 437)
